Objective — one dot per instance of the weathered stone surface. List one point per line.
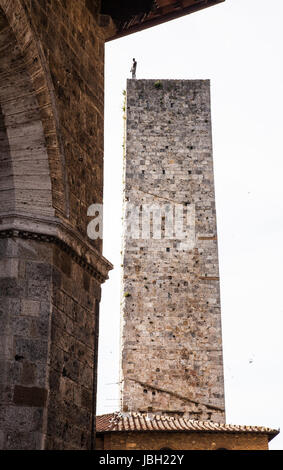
(30, 308)
(51, 159)
(8, 268)
(182, 441)
(26, 184)
(171, 302)
(30, 396)
(76, 71)
(47, 350)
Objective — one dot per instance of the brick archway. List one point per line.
(31, 113)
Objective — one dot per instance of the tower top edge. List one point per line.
(167, 80)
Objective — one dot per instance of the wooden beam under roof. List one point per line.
(159, 12)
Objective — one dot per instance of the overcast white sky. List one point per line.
(238, 45)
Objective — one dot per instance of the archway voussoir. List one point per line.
(35, 63)
(7, 5)
(49, 126)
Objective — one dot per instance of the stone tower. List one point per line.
(171, 323)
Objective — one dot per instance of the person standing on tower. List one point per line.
(134, 68)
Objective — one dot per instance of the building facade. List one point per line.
(136, 431)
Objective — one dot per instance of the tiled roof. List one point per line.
(143, 422)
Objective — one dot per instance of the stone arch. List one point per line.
(33, 169)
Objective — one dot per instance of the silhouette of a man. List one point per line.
(134, 68)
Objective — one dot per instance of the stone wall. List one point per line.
(48, 320)
(51, 155)
(73, 352)
(25, 294)
(171, 338)
(73, 47)
(24, 172)
(181, 441)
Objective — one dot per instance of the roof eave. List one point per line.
(270, 435)
(164, 19)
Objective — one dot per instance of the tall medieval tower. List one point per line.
(171, 321)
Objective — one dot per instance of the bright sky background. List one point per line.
(238, 45)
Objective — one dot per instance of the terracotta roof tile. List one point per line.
(138, 422)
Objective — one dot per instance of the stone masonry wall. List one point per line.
(51, 155)
(73, 45)
(25, 293)
(171, 325)
(47, 340)
(72, 362)
(24, 170)
(182, 441)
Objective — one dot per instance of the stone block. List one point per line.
(28, 373)
(2, 439)
(23, 441)
(31, 308)
(22, 419)
(33, 350)
(12, 288)
(3, 247)
(38, 271)
(39, 290)
(6, 347)
(30, 396)
(20, 326)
